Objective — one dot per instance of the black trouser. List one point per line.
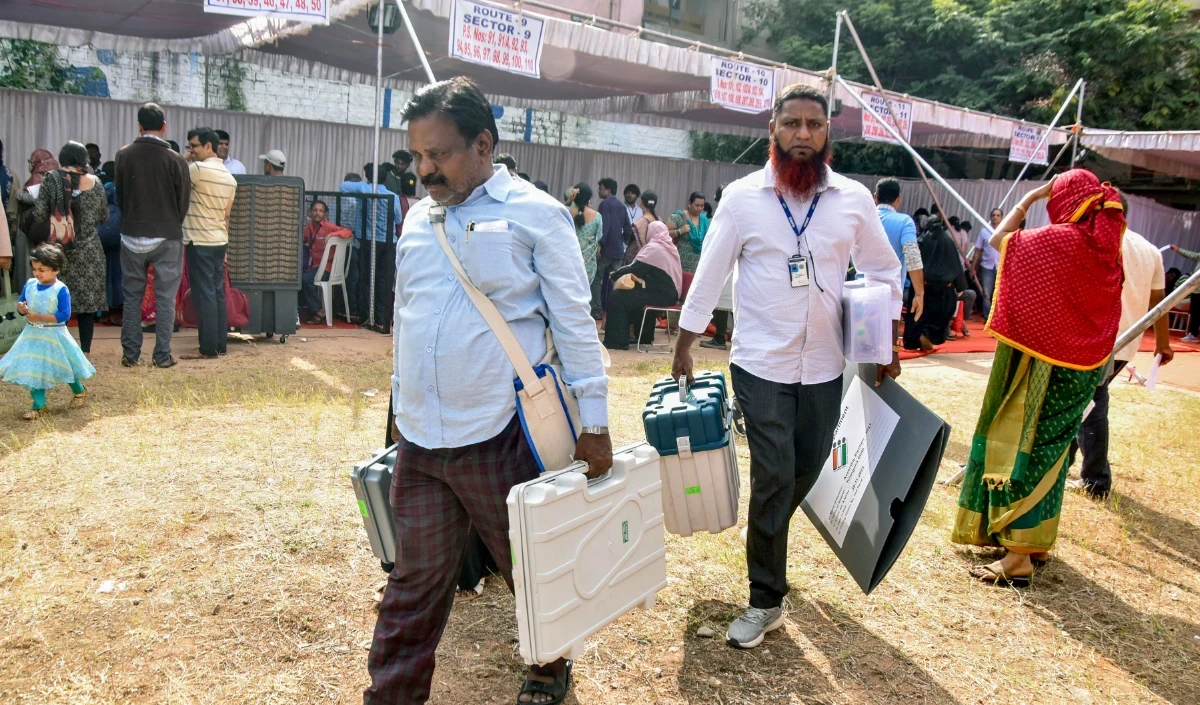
(87, 327)
(721, 323)
(790, 432)
(206, 277)
(604, 267)
(1092, 439)
(940, 305)
(628, 306)
(311, 299)
(1194, 319)
(385, 281)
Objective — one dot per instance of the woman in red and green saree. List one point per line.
(1055, 315)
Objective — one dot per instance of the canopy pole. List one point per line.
(1053, 123)
(739, 157)
(842, 14)
(921, 160)
(1078, 123)
(412, 34)
(1058, 156)
(837, 40)
(1135, 331)
(375, 159)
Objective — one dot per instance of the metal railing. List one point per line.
(359, 212)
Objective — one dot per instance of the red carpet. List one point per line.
(981, 342)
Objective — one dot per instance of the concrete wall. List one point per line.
(195, 81)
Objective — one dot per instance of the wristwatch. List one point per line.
(595, 430)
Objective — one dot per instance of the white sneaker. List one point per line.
(1191, 339)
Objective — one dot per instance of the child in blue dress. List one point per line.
(45, 354)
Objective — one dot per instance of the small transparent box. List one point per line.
(867, 322)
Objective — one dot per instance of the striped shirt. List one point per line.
(213, 189)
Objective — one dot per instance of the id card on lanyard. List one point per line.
(798, 263)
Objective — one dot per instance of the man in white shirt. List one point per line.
(985, 262)
(632, 194)
(231, 164)
(791, 229)
(1145, 285)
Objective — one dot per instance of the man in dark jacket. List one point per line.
(154, 190)
(617, 231)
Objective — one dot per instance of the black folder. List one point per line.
(896, 494)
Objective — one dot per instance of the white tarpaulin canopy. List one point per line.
(587, 71)
(1176, 153)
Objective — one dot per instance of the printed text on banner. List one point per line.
(498, 37)
(313, 11)
(1025, 139)
(874, 131)
(747, 88)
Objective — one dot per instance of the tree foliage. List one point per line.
(1140, 58)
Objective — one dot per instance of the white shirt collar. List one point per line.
(885, 207)
(833, 179)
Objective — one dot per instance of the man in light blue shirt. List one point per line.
(461, 444)
(385, 247)
(902, 234)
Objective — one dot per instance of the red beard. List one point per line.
(798, 178)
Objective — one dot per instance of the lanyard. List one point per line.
(792, 221)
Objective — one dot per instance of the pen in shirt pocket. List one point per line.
(470, 229)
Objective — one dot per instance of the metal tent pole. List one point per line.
(739, 157)
(375, 160)
(1053, 124)
(1078, 123)
(892, 115)
(412, 34)
(896, 136)
(837, 40)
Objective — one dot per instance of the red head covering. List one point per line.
(1058, 288)
(41, 162)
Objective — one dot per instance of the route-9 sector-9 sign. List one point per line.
(494, 36)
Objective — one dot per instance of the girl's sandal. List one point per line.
(31, 415)
(79, 401)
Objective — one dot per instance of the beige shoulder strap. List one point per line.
(508, 341)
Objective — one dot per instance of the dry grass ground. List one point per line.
(191, 537)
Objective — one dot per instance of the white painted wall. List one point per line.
(192, 80)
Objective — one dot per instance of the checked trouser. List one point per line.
(437, 496)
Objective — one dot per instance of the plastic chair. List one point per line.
(687, 284)
(337, 275)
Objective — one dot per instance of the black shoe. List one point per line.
(170, 362)
(126, 362)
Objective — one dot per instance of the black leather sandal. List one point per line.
(556, 688)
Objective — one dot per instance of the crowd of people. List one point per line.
(559, 271)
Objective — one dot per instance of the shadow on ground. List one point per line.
(823, 655)
(1175, 538)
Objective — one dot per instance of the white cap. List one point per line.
(276, 158)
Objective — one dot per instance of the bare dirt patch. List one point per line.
(191, 537)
